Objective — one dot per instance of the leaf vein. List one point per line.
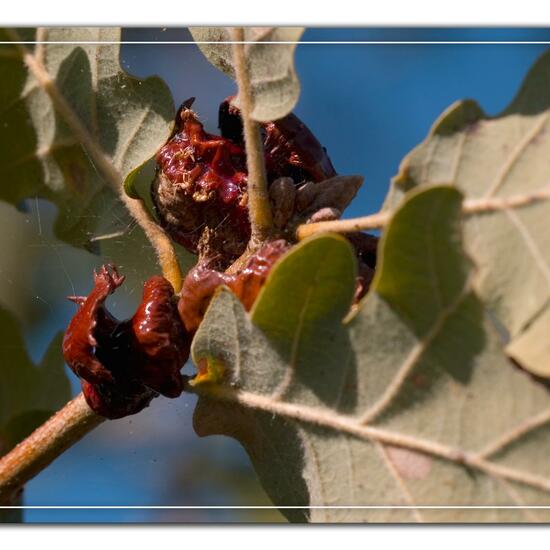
(515, 434)
(527, 139)
(531, 245)
(414, 357)
(399, 481)
(346, 424)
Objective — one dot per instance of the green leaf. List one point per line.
(29, 393)
(275, 86)
(506, 158)
(74, 126)
(406, 402)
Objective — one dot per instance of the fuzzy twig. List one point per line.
(44, 445)
(259, 208)
(374, 221)
(158, 238)
(166, 254)
(469, 207)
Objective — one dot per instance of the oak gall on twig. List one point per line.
(123, 365)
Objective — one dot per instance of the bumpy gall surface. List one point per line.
(80, 341)
(123, 365)
(160, 339)
(200, 195)
(200, 190)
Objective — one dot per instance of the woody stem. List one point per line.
(44, 445)
(259, 208)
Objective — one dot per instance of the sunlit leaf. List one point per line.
(501, 157)
(275, 86)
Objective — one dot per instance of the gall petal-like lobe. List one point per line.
(161, 340)
(123, 365)
(201, 283)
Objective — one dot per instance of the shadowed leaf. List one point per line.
(407, 402)
(29, 393)
(74, 126)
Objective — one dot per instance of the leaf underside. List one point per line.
(74, 126)
(275, 86)
(407, 402)
(501, 157)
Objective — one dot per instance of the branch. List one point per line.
(44, 445)
(380, 219)
(259, 208)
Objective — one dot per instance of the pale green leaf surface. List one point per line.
(78, 156)
(408, 401)
(275, 86)
(499, 158)
(531, 348)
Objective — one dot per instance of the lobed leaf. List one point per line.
(404, 410)
(74, 126)
(275, 86)
(503, 157)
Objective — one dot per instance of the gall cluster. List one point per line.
(200, 197)
(200, 190)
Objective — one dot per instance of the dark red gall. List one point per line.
(123, 365)
(201, 283)
(200, 190)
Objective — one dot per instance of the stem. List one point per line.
(159, 240)
(469, 206)
(44, 445)
(374, 221)
(259, 208)
(166, 254)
